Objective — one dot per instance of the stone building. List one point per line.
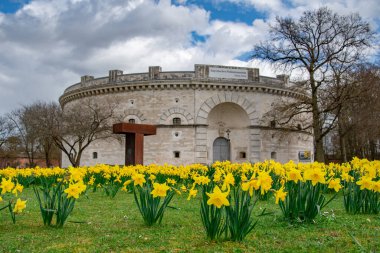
(211, 113)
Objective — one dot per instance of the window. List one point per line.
(177, 154)
(176, 121)
(131, 121)
(243, 155)
(176, 134)
(273, 155)
(299, 127)
(273, 124)
(94, 155)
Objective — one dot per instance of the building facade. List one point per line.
(211, 113)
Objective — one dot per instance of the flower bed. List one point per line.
(228, 193)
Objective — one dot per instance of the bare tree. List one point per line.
(360, 118)
(319, 40)
(21, 120)
(5, 130)
(34, 126)
(82, 124)
(43, 118)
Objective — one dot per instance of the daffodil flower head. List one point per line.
(280, 195)
(159, 190)
(218, 198)
(19, 206)
(335, 184)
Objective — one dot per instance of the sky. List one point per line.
(47, 45)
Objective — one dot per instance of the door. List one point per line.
(221, 149)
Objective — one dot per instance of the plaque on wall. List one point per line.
(304, 156)
(230, 73)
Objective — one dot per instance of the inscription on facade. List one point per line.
(228, 73)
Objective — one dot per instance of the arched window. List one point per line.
(131, 121)
(94, 155)
(176, 121)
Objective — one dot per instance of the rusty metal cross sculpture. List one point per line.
(134, 140)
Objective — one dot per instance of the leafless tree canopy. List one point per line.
(82, 124)
(32, 124)
(5, 130)
(320, 44)
(23, 123)
(359, 131)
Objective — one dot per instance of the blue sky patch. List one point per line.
(11, 6)
(247, 56)
(226, 11)
(197, 38)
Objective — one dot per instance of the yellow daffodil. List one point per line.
(74, 190)
(280, 195)
(250, 185)
(6, 185)
(183, 188)
(19, 206)
(139, 179)
(152, 177)
(218, 198)
(159, 190)
(171, 181)
(126, 183)
(293, 175)
(192, 193)
(265, 181)
(365, 183)
(18, 189)
(228, 180)
(335, 184)
(91, 181)
(315, 175)
(376, 186)
(201, 180)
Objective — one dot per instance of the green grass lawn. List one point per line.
(101, 224)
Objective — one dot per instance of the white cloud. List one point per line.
(47, 45)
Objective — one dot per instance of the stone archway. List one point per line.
(204, 136)
(223, 97)
(135, 114)
(174, 112)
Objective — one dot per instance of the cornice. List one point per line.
(112, 88)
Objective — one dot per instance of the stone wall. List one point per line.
(206, 108)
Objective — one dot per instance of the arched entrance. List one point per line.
(221, 149)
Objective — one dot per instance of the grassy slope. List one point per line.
(115, 225)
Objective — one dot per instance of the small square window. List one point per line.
(176, 121)
(243, 155)
(177, 154)
(273, 124)
(94, 155)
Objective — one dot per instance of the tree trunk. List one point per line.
(47, 159)
(319, 155)
(342, 142)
